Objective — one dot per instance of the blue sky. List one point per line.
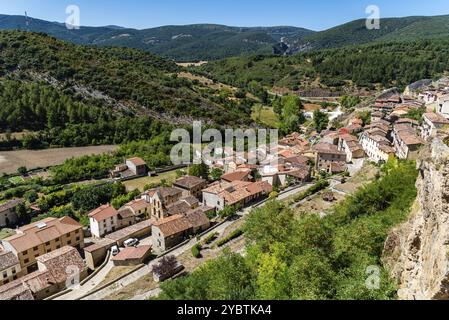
(312, 14)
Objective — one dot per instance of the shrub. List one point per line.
(234, 235)
(320, 185)
(211, 238)
(196, 251)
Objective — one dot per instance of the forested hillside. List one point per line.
(391, 29)
(386, 64)
(46, 84)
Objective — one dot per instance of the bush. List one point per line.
(320, 185)
(211, 238)
(196, 251)
(234, 235)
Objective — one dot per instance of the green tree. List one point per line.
(22, 171)
(199, 170)
(292, 116)
(320, 120)
(216, 174)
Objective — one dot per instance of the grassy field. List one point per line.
(10, 161)
(266, 116)
(140, 183)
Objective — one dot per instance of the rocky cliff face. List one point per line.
(417, 252)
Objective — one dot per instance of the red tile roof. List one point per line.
(104, 212)
(236, 176)
(137, 161)
(59, 261)
(132, 253)
(189, 182)
(37, 233)
(173, 225)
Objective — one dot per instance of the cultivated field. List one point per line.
(266, 116)
(10, 161)
(140, 183)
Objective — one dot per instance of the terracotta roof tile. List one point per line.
(57, 262)
(34, 234)
(132, 253)
(7, 260)
(189, 182)
(103, 213)
(173, 225)
(137, 161)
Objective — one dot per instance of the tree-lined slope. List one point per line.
(125, 81)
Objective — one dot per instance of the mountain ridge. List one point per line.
(209, 41)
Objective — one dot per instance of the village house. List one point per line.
(288, 171)
(103, 220)
(190, 186)
(410, 122)
(295, 140)
(9, 267)
(351, 147)
(240, 175)
(95, 254)
(160, 199)
(377, 116)
(238, 193)
(376, 146)
(134, 167)
(182, 206)
(56, 270)
(132, 256)
(171, 231)
(8, 215)
(63, 264)
(329, 159)
(139, 209)
(432, 122)
(34, 286)
(406, 142)
(443, 106)
(168, 232)
(428, 97)
(42, 237)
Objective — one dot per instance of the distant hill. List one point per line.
(182, 43)
(391, 29)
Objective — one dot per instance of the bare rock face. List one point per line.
(417, 252)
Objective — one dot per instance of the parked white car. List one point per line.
(115, 251)
(130, 243)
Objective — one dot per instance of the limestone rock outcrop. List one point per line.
(417, 252)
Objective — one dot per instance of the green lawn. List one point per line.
(267, 116)
(140, 183)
